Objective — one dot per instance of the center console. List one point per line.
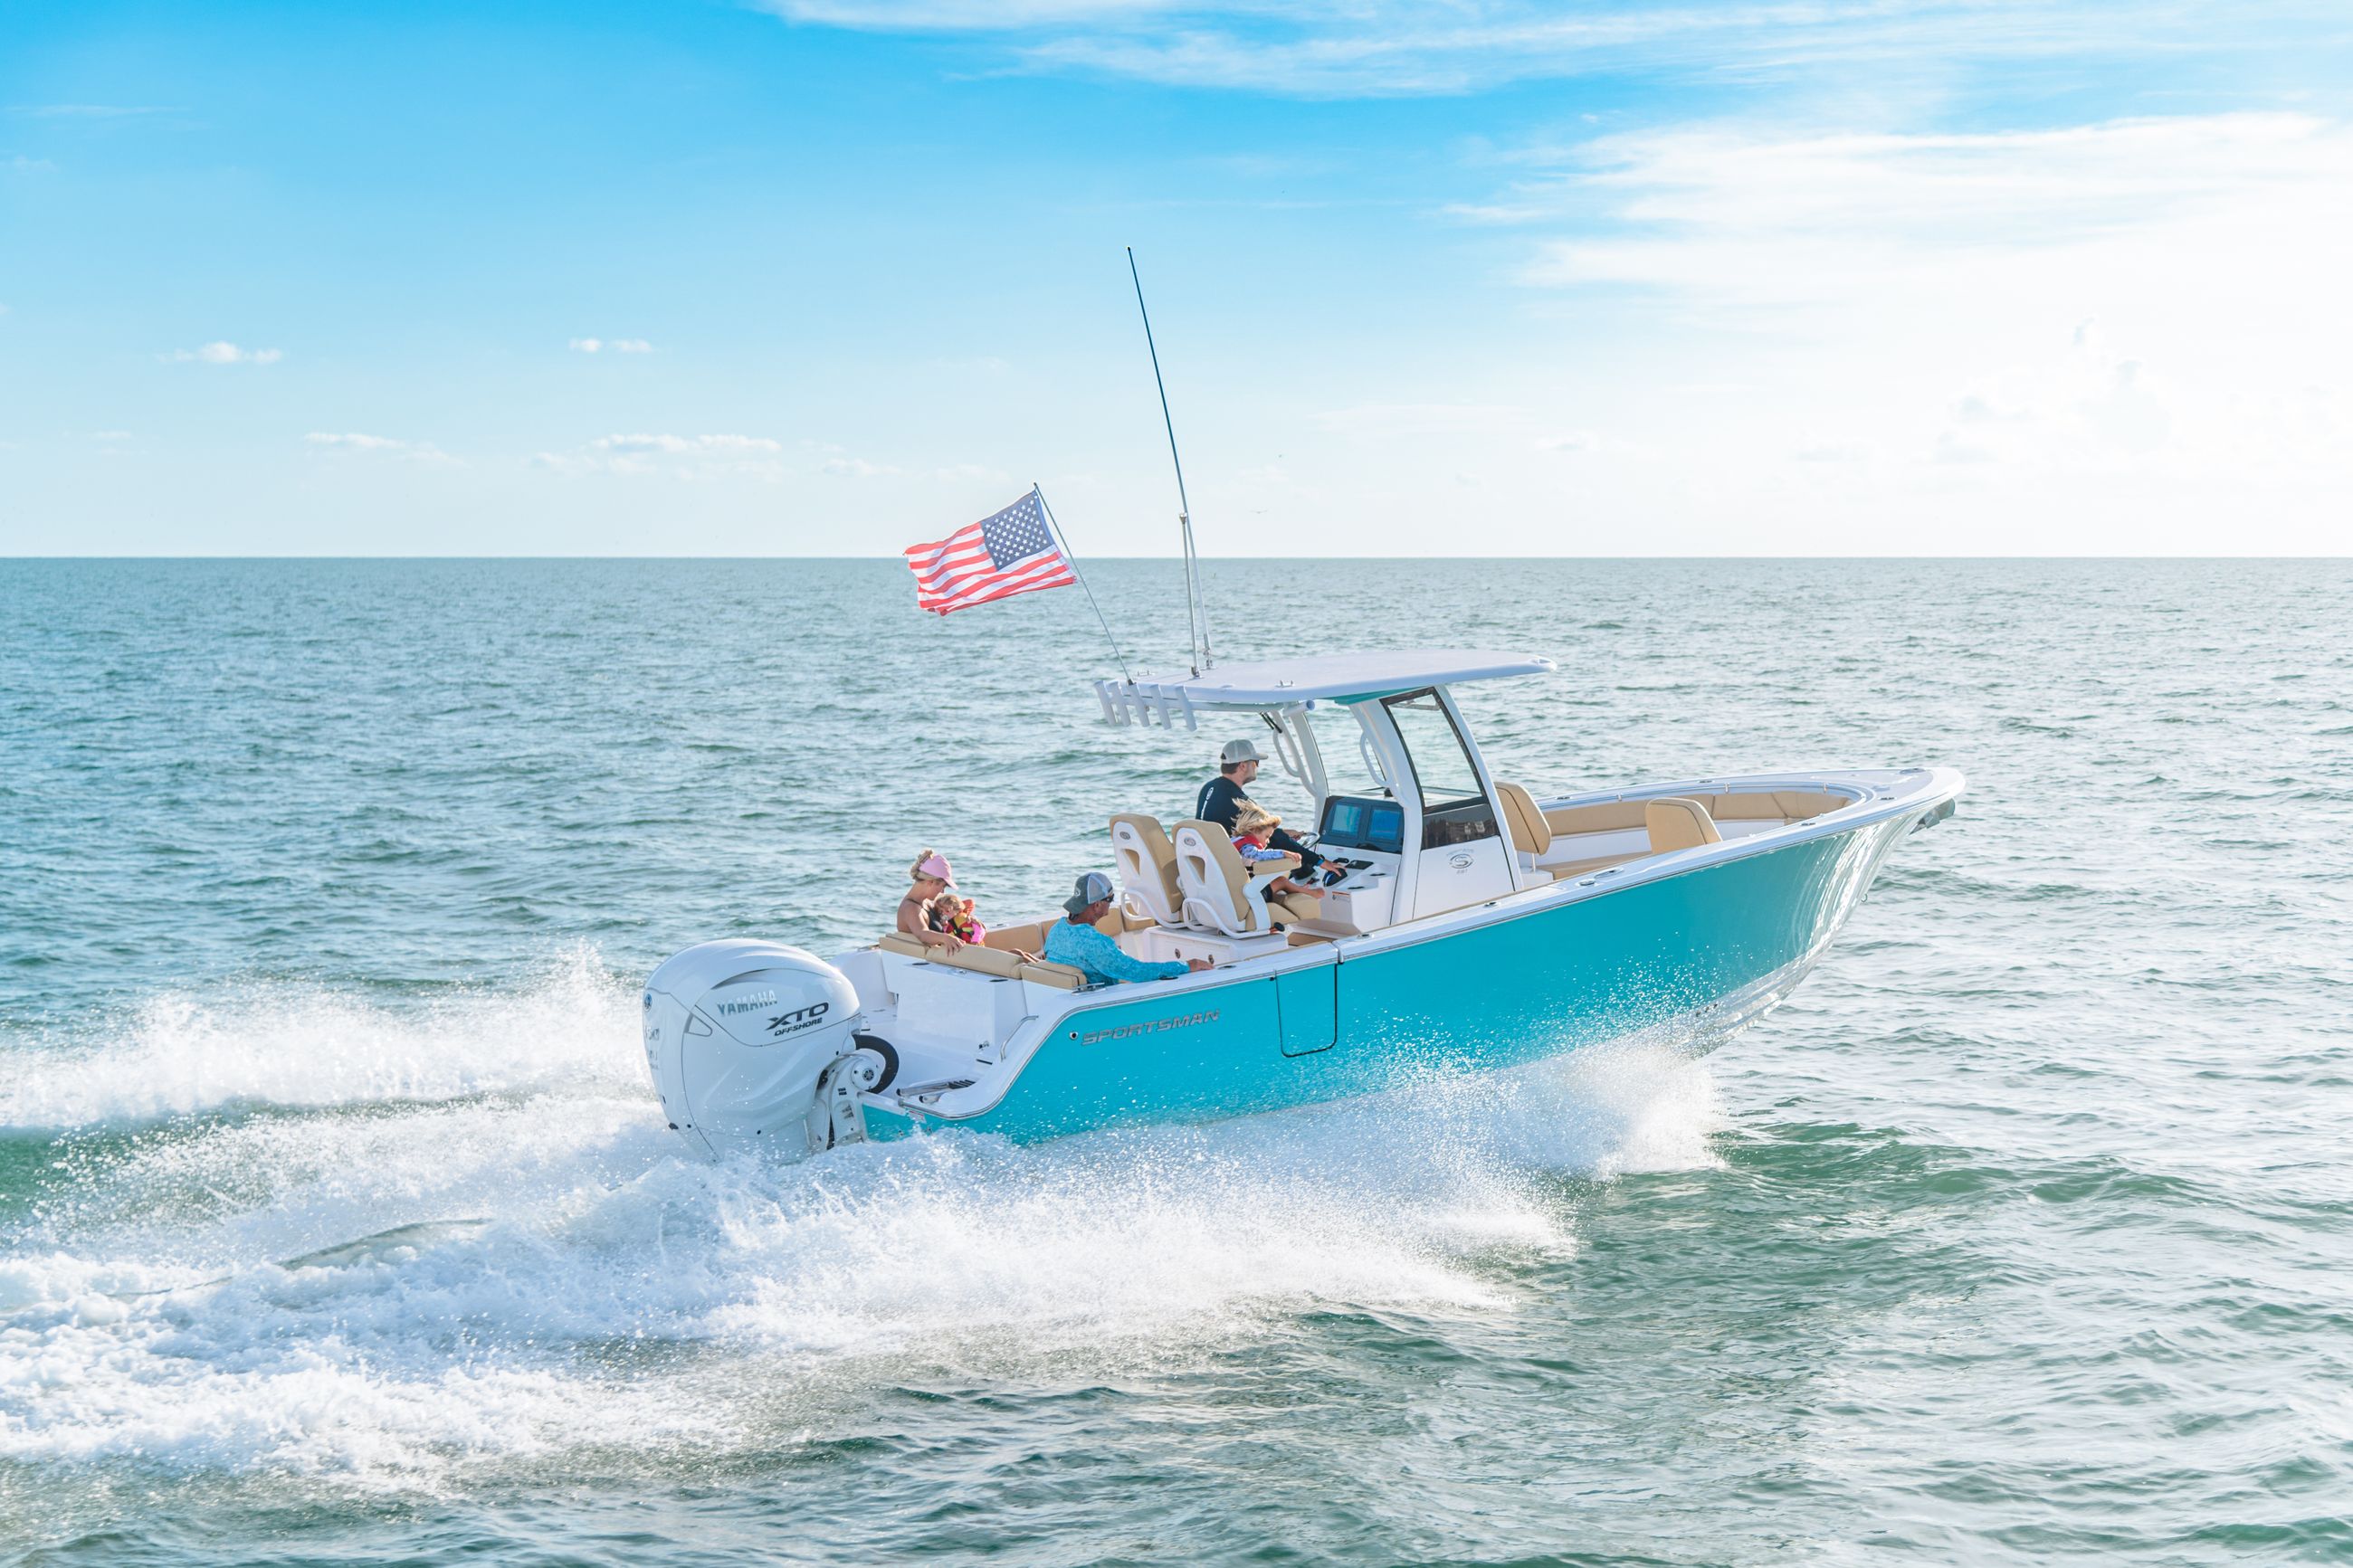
(1364, 838)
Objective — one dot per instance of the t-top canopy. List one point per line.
(1274, 682)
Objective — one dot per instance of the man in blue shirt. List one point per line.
(1077, 942)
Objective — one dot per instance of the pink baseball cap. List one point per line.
(937, 865)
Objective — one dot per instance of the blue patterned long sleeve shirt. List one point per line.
(1100, 958)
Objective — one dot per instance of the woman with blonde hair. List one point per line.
(930, 877)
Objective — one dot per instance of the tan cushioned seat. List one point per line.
(1224, 877)
(1061, 976)
(1148, 865)
(979, 960)
(1770, 806)
(1526, 825)
(1602, 817)
(1678, 823)
(1030, 938)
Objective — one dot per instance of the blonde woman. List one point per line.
(929, 876)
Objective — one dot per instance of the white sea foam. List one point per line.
(280, 1045)
(382, 1291)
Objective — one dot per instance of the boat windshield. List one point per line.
(1441, 762)
(1349, 765)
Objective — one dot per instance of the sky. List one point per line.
(1461, 277)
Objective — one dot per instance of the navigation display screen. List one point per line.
(1353, 822)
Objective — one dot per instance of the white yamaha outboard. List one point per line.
(755, 1045)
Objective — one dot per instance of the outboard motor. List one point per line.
(754, 1044)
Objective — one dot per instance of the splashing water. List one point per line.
(293, 1232)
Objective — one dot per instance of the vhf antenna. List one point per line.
(1197, 609)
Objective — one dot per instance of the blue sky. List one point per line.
(1479, 277)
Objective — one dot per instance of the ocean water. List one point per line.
(337, 1223)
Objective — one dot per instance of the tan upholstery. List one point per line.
(1604, 816)
(1214, 880)
(1529, 830)
(1030, 938)
(1562, 870)
(1733, 806)
(1119, 919)
(1293, 906)
(1061, 976)
(1147, 866)
(1678, 823)
(979, 960)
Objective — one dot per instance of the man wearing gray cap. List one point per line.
(1221, 800)
(1077, 942)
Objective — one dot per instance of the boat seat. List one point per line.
(1600, 816)
(1061, 976)
(998, 964)
(1675, 823)
(1221, 894)
(979, 960)
(1531, 834)
(1147, 866)
(1030, 938)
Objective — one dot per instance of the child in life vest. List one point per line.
(952, 912)
(1252, 826)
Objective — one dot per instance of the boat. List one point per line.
(1475, 928)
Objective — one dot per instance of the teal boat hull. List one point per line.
(1694, 955)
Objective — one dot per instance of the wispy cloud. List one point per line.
(223, 354)
(83, 111)
(721, 456)
(1372, 47)
(1911, 316)
(619, 345)
(18, 163)
(357, 441)
(1741, 218)
(677, 445)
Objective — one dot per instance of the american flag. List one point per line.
(995, 558)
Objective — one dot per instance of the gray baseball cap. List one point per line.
(1091, 888)
(1239, 752)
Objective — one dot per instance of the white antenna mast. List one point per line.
(1196, 608)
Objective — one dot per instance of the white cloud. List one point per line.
(225, 353)
(82, 110)
(677, 445)
(619, 345)
(587, 345)
(2023, 337)
(1334, 48)
(18, 163)
(355, 441)
(688, 457)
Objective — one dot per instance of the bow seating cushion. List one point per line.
(1678, 823)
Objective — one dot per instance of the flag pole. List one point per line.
(1073, 560)
(1196, 610)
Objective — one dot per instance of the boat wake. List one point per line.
(375, 1244)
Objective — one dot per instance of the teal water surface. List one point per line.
(337, 1223)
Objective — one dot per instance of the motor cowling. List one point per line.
(738, 1035)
